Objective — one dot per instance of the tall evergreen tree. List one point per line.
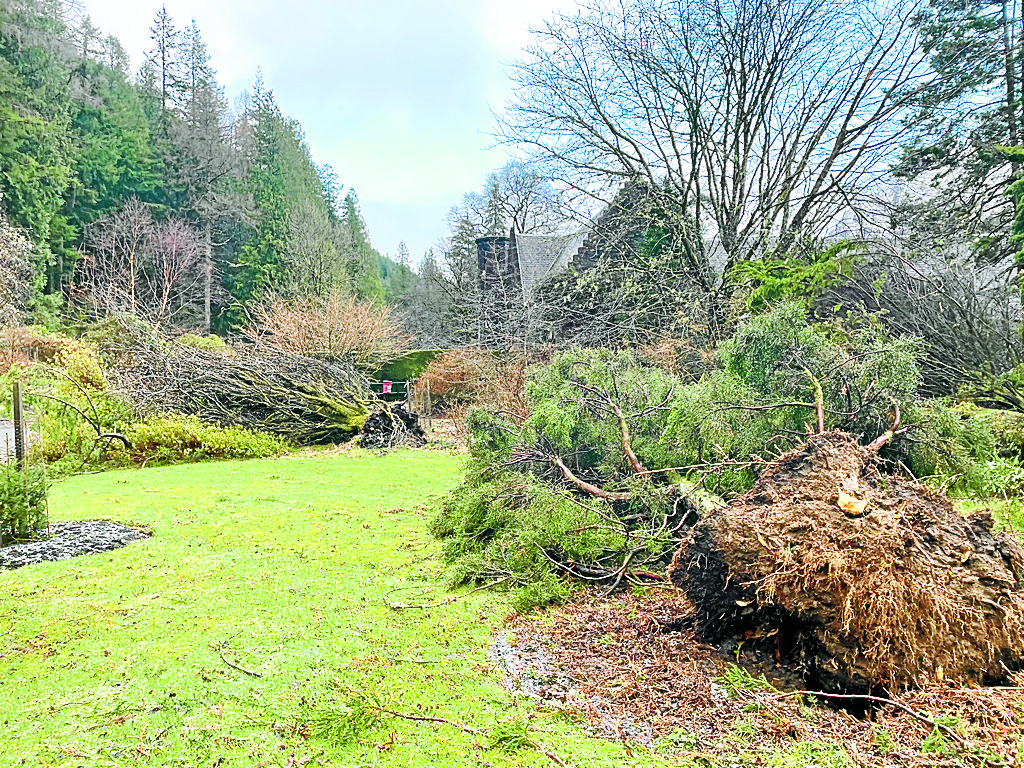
(165, 59)
(36, 154)
(973, 108)
(364, 266)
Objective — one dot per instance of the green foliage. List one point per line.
(70, 402)
(812, 754)
(346, 720)
(409, 366)
(22, 500)
(737, 680)
(769, 281)
(492, 436)
(570, 415)
(511, 736)
(209, 342)
(938, 742)
(883, 741)
(506, 527)
(174, 438)
(862, 372)
(517, 513)
(958, 448)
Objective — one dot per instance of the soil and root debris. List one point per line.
(391, 427)
(857, 580)
(635, 668)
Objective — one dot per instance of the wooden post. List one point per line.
(427, 405)
(20, 447)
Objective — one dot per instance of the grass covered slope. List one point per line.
(285, 568)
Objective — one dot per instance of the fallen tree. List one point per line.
(304, 399)
(857, 578)
(823, 555)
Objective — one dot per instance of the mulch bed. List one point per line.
(632, 667)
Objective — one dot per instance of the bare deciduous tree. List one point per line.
(523, 197)
(15, 273)
(317, 260)
(151, 269)
(764, 121)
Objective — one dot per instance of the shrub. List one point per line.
(454, 376)
(337, 326)
(81, 364)
(471, 377)
(408, 366)
(173, 438)
(958, 448)
(22, 501)
(211, 342)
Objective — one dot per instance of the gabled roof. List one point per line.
(541, 255)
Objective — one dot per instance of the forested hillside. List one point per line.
(144, 191)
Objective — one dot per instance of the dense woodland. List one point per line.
(755, 148)
(145, 192)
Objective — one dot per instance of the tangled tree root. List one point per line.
(859, 579)
(391, 427)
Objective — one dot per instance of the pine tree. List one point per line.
(165, 59)
(972, 108)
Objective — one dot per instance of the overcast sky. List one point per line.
(395, 95)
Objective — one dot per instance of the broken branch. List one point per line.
(586, 487)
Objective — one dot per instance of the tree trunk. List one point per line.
(207, 275)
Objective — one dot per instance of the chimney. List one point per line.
(493, 254)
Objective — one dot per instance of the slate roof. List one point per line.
(542, 255)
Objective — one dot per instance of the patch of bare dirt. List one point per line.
(633, 667)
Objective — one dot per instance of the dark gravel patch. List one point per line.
(67, 540)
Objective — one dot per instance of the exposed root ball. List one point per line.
(861, 579)
(391, 427)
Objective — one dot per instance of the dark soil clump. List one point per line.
(392, 427)
(857, 579)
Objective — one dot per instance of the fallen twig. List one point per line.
(466, 729)
(220, 649)
(438, 603)
(920, 716)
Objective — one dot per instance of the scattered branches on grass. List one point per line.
(438, 603)
(504, 736)
(220, 650)
(924, 718)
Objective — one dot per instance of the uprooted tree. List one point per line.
(857, 577)
(620, 464)
(304, 399)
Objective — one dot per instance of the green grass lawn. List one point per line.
(283, 567)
